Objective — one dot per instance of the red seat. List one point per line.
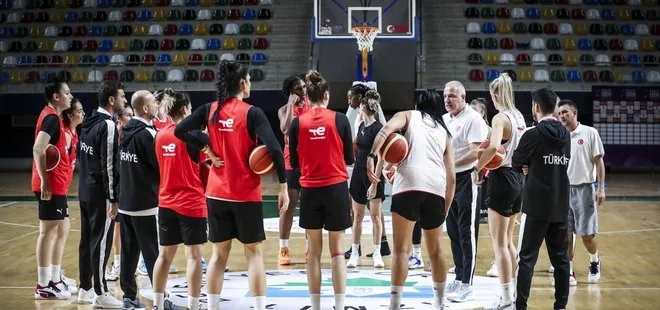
(55, 61)
(81, 31)
(260, 44)
(506, 44)
(167, 45)
(655, 29)
(578, 14)
(503, 13)
(111, 75)
(171, 30)
(91, 45)
(590, 76)
(76, 4)
(523, 59)
(476, 75)
(618, 60)
(207, 76)
(234, 14)
(195, 59)
(148, 60)
(28, 17)
(163, 2)
(550, 28)
(616, 45)
(31, 77)
(129, 16)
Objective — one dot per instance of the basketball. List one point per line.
(497, 161)
(52, 157)
(260, 161)
(395, 148)
(204, 170)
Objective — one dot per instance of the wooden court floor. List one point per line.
(629, 234)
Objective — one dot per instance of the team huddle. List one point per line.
(144, 174)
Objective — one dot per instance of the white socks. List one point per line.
(159, 299)
(339, 301)
(259, 302)
(43, 276)
(570, 270)
(316, 301)
(55, 273)
(438, 292)
(193, 303)
(377, 249)
(417, 249)
(395, 297)
(214, 301)
(117, 261)
(284, 243)
(594, 257)
(507, 291)
(355, 248)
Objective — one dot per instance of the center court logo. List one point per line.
(365, 290)
(317, 133)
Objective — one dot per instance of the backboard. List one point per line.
(334, 19)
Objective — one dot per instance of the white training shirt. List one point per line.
(424, 168)
(353, 115)
(585, 145)
(518, 127)
(466, 127)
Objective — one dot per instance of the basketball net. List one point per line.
(365, 36)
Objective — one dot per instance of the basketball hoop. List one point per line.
(365, 36)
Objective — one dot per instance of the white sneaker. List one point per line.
(594, 271)
(106, 301)
(501, 305)
(452, 270)
(378, 261)
(551, 269)
(492, 272)
(462, 294)
(112, 274)
(415, 261)
(50, 291)
(86, 297)
(452, 287)
(353, 262)
(70, 290)
(67, 280)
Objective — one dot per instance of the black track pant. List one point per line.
(138, 234)
(463, 227)
(532, 233)
(95, 245)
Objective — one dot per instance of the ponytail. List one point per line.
(230, 75)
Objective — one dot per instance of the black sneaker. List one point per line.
(384, 249)
(132, 304)
(347, 254)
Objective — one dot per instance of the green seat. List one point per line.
(159, 76)
(86, 61)
(244, 44)
(475, 59)
(110, 31)
(487, 13)
(173, 15)
(219, 14)
(490, 44)
(211, 60)
(256, 75)
(136, 45)
(118, 3)
(247, 29)
(221, 2)
(557, 76)
(587, 60)
(612, 29)
(30, 47)
(519, 28)
(553, 44)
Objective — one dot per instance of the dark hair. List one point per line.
(431, 103)
(316, 86)
(371, 101)
(65, 114)
(108, 89)
(54, 86)
(172, 104)
(229, 82)
(546, 99)
(126, 106)
(290, 83)
(569, 102)
(359, 89)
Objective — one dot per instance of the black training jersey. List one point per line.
(365, 140)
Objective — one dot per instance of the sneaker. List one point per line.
(353, 261)
(415, 261)
(62, 286)
(594, 271)
(205, 266)
(132, 304)
(142, 269)
(378, 261)
(492, 271)
(173, 269)
(169, 305)
(50, 291)
(451, 270)
(452, 287)
(551, 269)
(112, 274)
(462, 294)
(283, 258)
(572, 281)
(106, 301)
(384, 249)
(67, 280)
(347, 254)
(86, 296)
(226, 268)
(501, 305)
(439, 307)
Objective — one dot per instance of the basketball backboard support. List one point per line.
(334, 19)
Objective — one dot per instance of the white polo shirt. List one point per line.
(585, 145)
(466, 127)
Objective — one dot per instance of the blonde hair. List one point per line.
(503, 87)
(371, 102)
(166, 100)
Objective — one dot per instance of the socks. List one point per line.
(55, 273)
(43, 276)
(594, 257)
(214, 301)
(395, 297)
(339, 301)
(355, 249)
(117, 261)
(284, 243)
(193, 303)
(438, 292)
(316, 301)
(159, 299)
(377, 249)
(417, 249)
(259, 302)
(570, 270)
(507, 292)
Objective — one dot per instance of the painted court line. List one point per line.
(19, 237)
(34, 226)
(7, 204)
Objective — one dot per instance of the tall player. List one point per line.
(233, 192)
(423, 190)
(294, 89)
(182, 206)
(585, 167)
(321, 146)
(51, 188)
(99, 181)
(504, 194)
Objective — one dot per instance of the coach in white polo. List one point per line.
(468, 129)
(584, 168)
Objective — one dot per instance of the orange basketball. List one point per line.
(395, 148)
(497, 161)
(260, 161)
(52, 157)
(204, 170)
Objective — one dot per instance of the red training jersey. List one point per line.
(180, 187)
(231, 141)
(159, 125)
(320, 149)
(58, 177)
(72, 151)
(297, 111)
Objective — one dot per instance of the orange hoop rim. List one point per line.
(364, 28)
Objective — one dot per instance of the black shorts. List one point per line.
(504, 192)
(231, 219)
(54, 209)
(175, 228)
(360, 184)
(326, 207)
(427, 208)
(293, 179)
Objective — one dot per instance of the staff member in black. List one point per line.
(545, 150)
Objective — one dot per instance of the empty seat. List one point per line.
(537, 44)
(506, 44)
(211, 60)
(170, 29)
(185, 29)
(548, 13)
(539, 60)
(491, 59)
(653, 77)
(151, 45)
(525, 75)
(648, 46)
(533, 13)
(519, 28)
(260, 43)
(596, 29)
(257, 75)
(652, 15)
(127, 76)
(593, 14)
(638, 77)
(607, 14)
(488, 28)
(557, 76)
(179, 60)
(612, 29)
(650, 61)
(555, 60)
(102, 60)
(578, 13)
(523, 59)
(471, 27)
(541, 75)
(550, 28)
(260, 59)
(207, 76)
(133, 60)
(623, 14)
(471, 12)
(606, 76)
(476, 75)
(125, 31)
(602, 60)
(581, 29)
(218, 14)
(173, 15)
(590, 76)
(142, 76)
(140, 30)
(570, 61)
(637, 15)
(191, 76)
(110, 31)
(475, 59)
(117, 60)
(627, 29)
(574, 76)
(563, 13)
(145, 15)
(264, 14)
(167, 45)
(158, 76)
(200, 30)
(231, 28)
(502, 13)
(492, 74)
(249, 14)
(600, 45)
(507, 59)
(518, 13)
(565, 28)
(175, 75)
(585, 44)
(535, 28)
(182, 45)
(243, 58)
(655, 29)
(553, 44)
(198, 44)
(195, 59)
(630, 45)
(148, 59)
(587, 60)
(249, 29)
(189, 15)
(86, 60)
(262, 29)
(60, 46)
(244, 44)
(489, 43)
(618, 60)
(204, 14)
(227, 57)
(213, 44)
(233, 14)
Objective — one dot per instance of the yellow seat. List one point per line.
(263, 29)
(229, 43)
(45, 46)
(120, 45)
(580, 28)
(623, 14)
(79, 77)
(70, 60)
(504, 28)
(56, 17)
(147, 3)
(61, 4)
(159, 15)
(569, 44)
(140, 30)
(491, 59)
(36, 31)
(571, 61)
(649, 2)
(206, 3)
(525, 75)
(201, 29)
(647, 46)
(179, 60)
(548, 13)
(143, 76)
(16, 77)
(618, 77)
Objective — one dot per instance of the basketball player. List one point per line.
(321, 146)
(545, 149)
(294, 89)
(503, 197)
(182, 206)
(369, 128)
(468, 130)
(586, 158)
(51, 188)
(423, 189)
(233, 192)
(98, 161)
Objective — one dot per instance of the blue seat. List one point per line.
(6, 32)
(45, 76)
(259, 59)
(574, 76)
(105, 46)
(24, 60)
(192, 2)
(585, 44)
(102, 60)
(185, 29)
(533, 13)
(489, 28)
(103, 4)
(164, 60)
(638, 77)
(213, 44)
(249, 14)
(607, 14)
(4, 77)
(144, 15)
(634, 60)
(71, 16)
(492, 74)
(590, 2)
(627, 30)
(95, 31)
